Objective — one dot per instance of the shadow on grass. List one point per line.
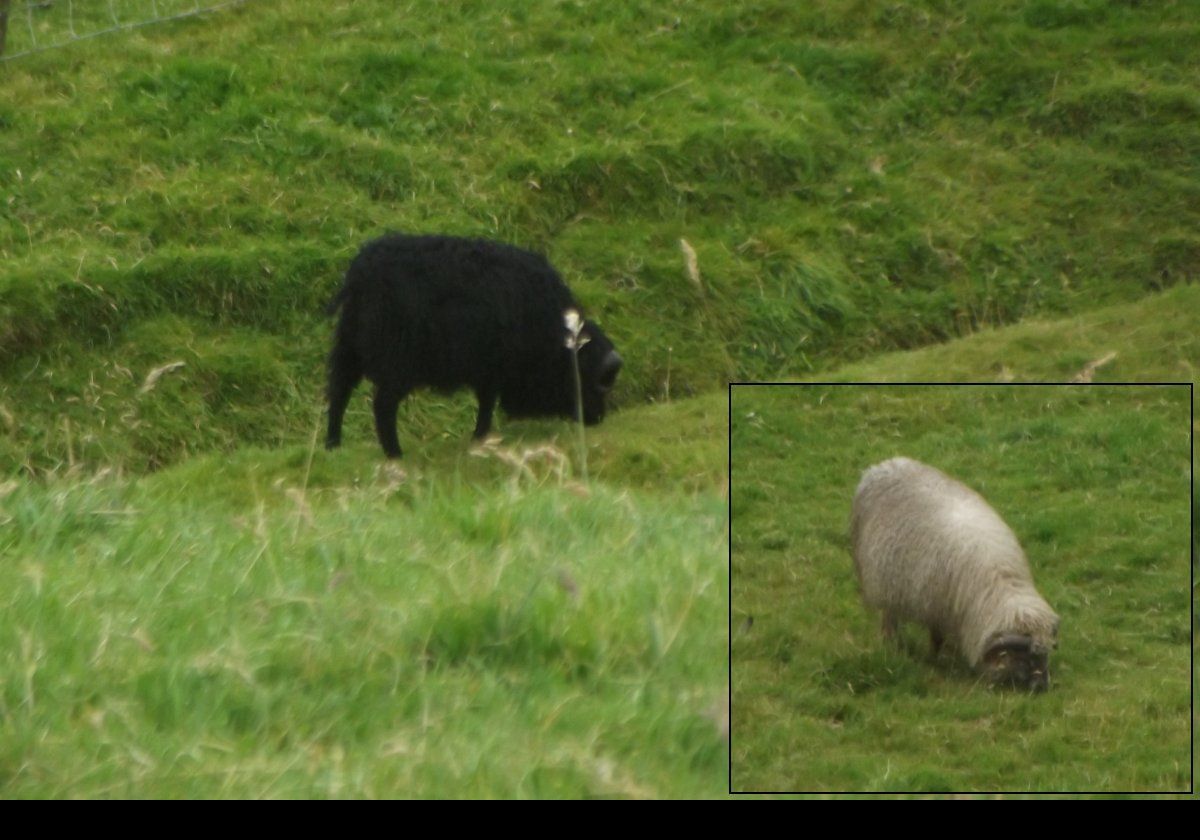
(911, 669)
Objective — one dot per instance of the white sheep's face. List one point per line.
(1014, 661)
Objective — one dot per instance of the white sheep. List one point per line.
(929, 549)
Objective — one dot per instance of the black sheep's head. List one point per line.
(550, 390)
(599, 364)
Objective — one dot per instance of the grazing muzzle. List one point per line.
(1014, 661)
(598, 381)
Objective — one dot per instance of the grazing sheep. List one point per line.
(449, 313)
(929, 549)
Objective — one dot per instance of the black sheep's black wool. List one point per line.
(447, 313)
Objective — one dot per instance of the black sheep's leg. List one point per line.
(487, 405)
(344, 376)
(387, 400)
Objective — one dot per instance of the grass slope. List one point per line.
(283, 622)
(1154, 340)
(852, 179)
(1095, 482)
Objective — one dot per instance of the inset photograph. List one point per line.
(960, 588)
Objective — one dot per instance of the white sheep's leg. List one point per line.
(890, 627)
(935, 641)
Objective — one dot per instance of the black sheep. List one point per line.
(448, 313)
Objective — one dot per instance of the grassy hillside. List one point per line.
(852, 178)
(290, 622)
(200, 602)
(1095, 482)
(1152, 340)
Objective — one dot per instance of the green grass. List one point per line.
(1154, 340)
(260, 627)
(1095, 482)
(852, 180)
(197, 604)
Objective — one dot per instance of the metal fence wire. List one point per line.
(30, 26)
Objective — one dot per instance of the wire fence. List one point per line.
(30, 26)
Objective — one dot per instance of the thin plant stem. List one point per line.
(579, 412)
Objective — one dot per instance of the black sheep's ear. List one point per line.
(609, 368)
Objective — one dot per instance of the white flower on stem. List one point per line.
(575, 340)
(574, 323)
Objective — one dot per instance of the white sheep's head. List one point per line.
(1019, 661)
